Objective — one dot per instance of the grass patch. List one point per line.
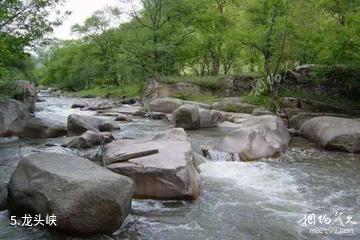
(208, 99)
(208, 82)
(128, 90)
(263, 101)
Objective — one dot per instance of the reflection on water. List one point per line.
(256, 200)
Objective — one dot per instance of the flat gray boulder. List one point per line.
(85, 198)
(162, 167)
(334, 133)
(164, 105)
(43, 128)
(79, 124)
(255, 138)
(14, 116)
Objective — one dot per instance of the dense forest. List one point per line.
(180, 38)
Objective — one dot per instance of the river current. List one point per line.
(271, 199)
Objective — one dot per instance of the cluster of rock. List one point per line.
(192, 115)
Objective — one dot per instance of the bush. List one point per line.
(8, 90)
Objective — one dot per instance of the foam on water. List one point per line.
(256, 178)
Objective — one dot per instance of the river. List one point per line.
(266, 199)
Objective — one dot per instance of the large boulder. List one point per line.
(255, 138)
(27, 95)
(85, 198)
(299, 119)
(89, 139)
(333, 133)
(162, 167)
(43, 128)
(164, 105)
(187, 116)
(191, 117)
(79, 124)
(13, 117)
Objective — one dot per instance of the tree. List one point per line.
(267, 32)
(23, 23)
(97, 30)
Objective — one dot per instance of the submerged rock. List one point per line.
(164, 105)
(80, 104)
(256, 137)
(123, 118)
(43, 128)
(162, 167)
(14, 116)
(85, 198)
(333, 133)
(79, 124)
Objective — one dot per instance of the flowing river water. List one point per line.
(266, 199)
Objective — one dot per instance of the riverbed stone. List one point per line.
(190, 117)
(261, 112)
(79, 124)
(14, 115)
(89, 139)
(85, 198)
(162, 167)
(164, 105)
(43, 128)
(333, 133)
(123, 118)
(255, 138)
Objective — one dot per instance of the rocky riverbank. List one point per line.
(161, 165)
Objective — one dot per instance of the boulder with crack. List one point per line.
(162, 167)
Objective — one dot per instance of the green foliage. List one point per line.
(264, 101)
(198, 41)
(127, 90)
(22, 24)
